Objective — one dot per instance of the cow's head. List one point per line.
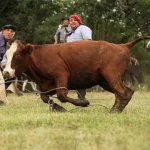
(15, 52)
(20, 60)
(7, 70)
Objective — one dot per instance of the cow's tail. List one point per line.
(131, 44)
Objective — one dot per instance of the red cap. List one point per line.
(77, 18)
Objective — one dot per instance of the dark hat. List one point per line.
(9, 26)
(65, 18)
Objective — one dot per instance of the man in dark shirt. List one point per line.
(6, 35)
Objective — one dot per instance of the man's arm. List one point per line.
(55, 39)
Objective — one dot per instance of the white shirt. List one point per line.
(81, 33)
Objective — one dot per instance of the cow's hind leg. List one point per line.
(123, 96)
(122, 93)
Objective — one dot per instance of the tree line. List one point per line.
(116, 21)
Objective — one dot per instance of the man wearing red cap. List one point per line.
(79, 32)
(6, 35)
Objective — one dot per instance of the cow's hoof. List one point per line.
(86, 103)
(2, 103)
(83, 102)
(58, 108)
(115, 110)
(20, 94)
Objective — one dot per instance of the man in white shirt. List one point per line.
(79, 31)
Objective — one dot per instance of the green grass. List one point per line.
(27, 124)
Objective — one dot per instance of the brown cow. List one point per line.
(76, 65)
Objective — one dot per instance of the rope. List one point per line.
(35, 90)
(40, 92)
(87, 107)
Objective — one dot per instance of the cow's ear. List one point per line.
(28, 48)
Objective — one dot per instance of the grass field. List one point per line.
(27, 124)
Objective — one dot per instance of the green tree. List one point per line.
(111, 20)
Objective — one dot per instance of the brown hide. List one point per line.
(77, 65)
(84, 64)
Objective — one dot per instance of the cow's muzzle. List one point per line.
(6, 75)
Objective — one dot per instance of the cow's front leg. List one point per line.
(62, 92)
(53, 106)
(62, 96)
